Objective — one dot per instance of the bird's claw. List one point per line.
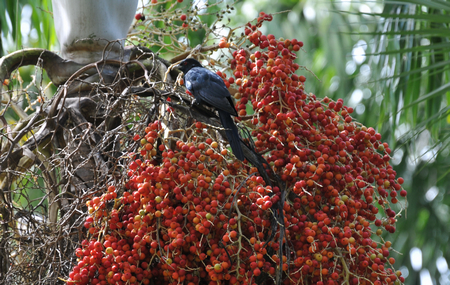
(194, 102)
(192, 105)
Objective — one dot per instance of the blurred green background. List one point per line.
(388, 60)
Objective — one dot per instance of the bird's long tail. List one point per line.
(232, 134)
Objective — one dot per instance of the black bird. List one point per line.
(208, 88)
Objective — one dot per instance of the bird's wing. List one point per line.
(208, 87)
(217, 97)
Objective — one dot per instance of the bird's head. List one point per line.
(187, 64)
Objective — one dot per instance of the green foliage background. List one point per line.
(388, 60)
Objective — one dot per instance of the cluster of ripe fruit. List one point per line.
(198, 216)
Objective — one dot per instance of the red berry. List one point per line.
(139, 16)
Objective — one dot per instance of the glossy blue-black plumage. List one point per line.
(208, 88)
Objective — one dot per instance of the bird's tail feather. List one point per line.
(232, 134)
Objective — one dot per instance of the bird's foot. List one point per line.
(192, 105)
(194, 102)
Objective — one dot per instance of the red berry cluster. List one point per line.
(185, 220)
(198, 216)
(336, 167)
